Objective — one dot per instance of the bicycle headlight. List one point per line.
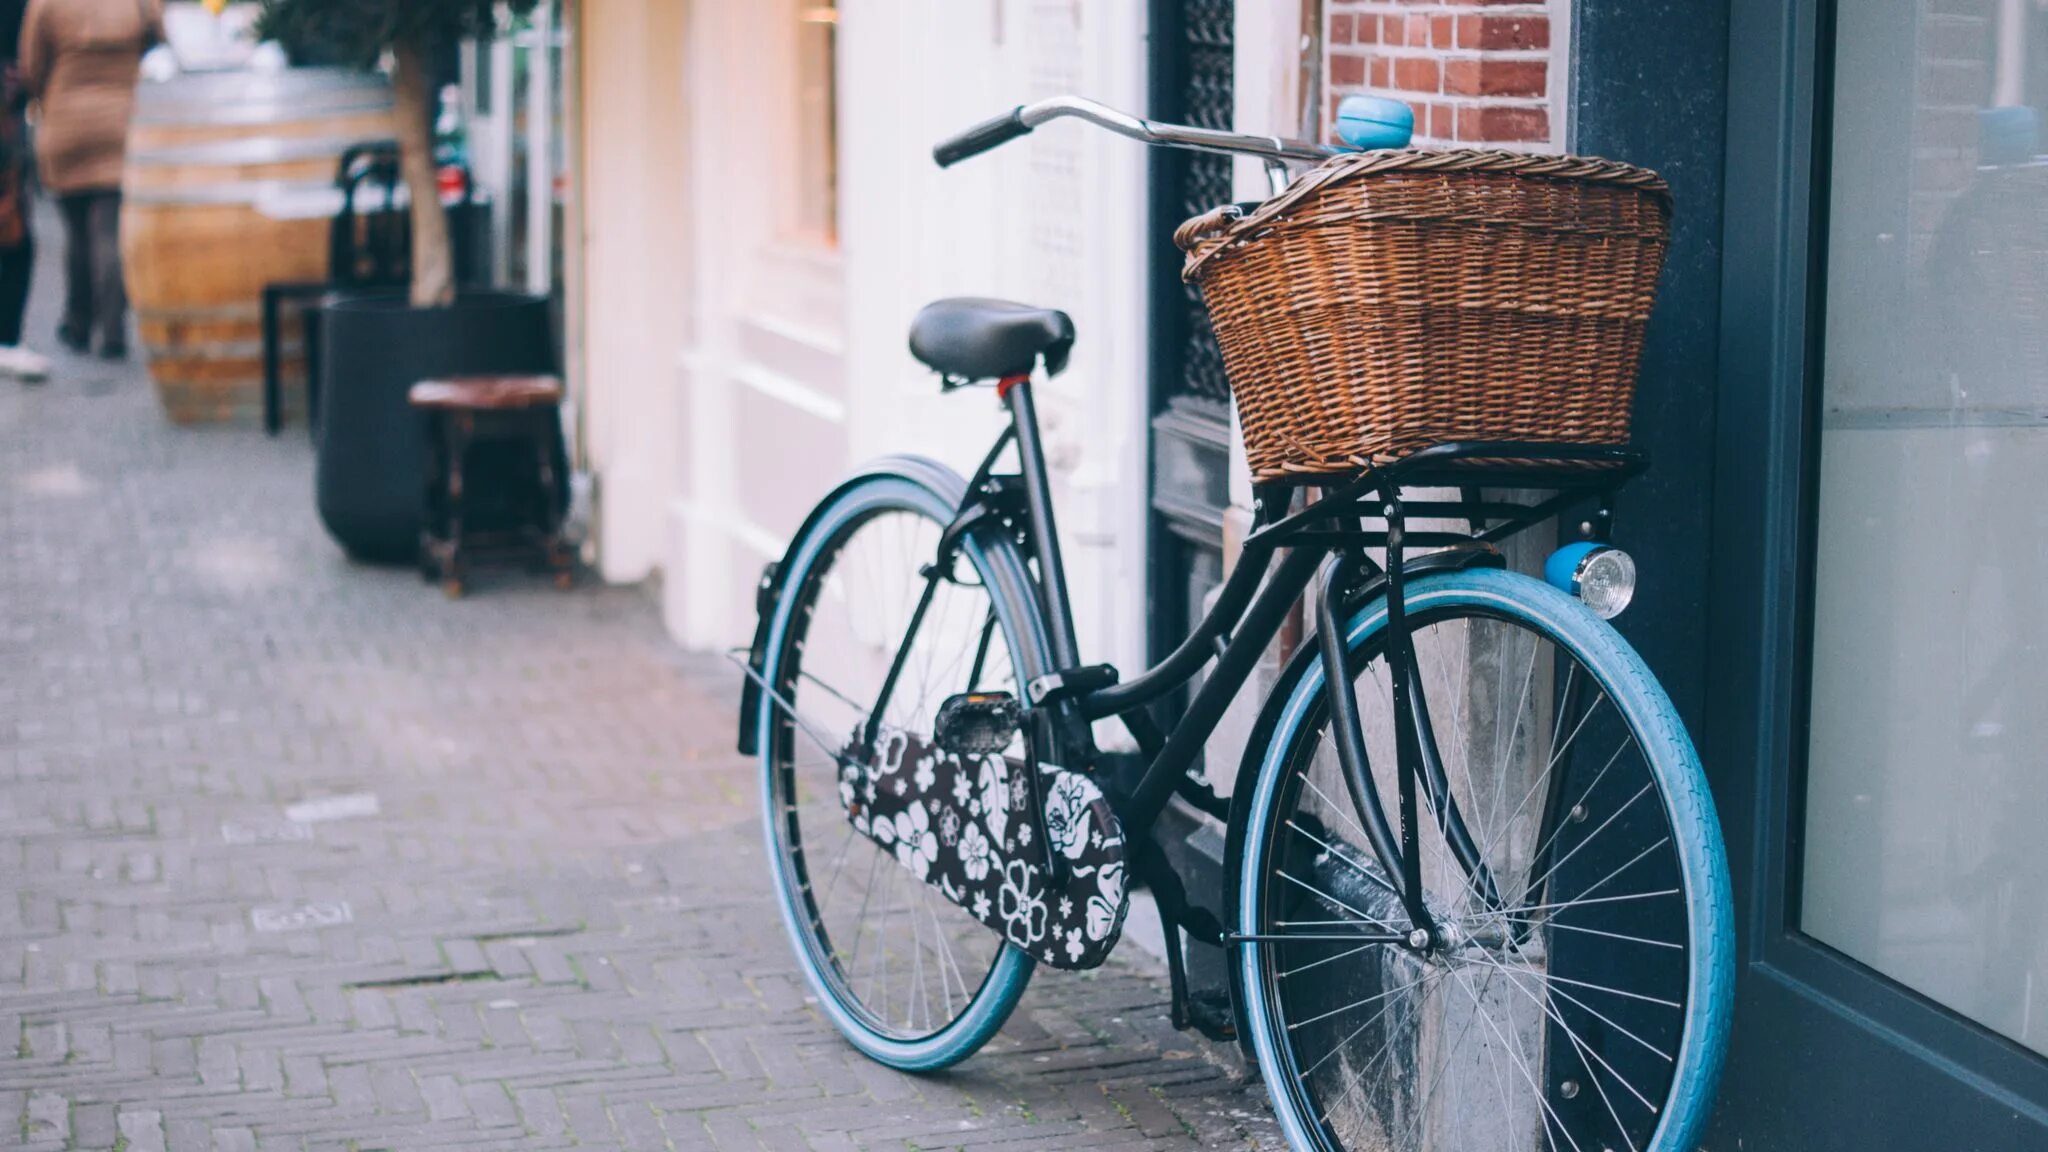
(1602, 576)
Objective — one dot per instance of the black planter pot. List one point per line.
(370, 476)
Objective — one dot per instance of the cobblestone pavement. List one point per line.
(298, 854)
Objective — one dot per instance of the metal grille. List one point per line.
(1207, 102)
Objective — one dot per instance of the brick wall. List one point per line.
(1477, 72)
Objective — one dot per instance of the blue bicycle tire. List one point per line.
(923, 488)
(1682, 786)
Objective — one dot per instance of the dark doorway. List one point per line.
(1192, 47)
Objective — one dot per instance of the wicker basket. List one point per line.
(1389, 301)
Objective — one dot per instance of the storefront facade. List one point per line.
(1840, 394)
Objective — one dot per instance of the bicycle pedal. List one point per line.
(977, 723)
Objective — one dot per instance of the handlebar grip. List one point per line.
(982, 137)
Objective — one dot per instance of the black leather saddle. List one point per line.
(968, 338)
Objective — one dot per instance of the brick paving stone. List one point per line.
(558, 927)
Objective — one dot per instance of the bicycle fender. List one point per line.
(920, 469)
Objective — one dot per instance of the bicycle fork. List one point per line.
(1419, 770)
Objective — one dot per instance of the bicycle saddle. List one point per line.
(968, 338)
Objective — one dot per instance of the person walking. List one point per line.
(80, 60)
(17, 242)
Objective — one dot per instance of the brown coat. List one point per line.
(80, 60)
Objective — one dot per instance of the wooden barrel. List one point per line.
(214, 162)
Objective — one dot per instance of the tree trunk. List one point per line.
(433, 261)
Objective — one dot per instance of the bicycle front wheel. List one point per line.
(1577, 994)
(909, 978)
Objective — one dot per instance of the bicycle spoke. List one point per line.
(860, 918)
(1536, 786)
(946, 961)
(1521, 1065)
(859, 708)
(1370, 876)
(1334, 807)
(1386, 1051)
(1582, 897)
(1583, 796)
(1554, 922)
(838, 865)
(1553, 1014)
(1319, 893)
(1284, 973)
(1356, 1004)
(912, 898)
(1595, 900)
(1500, 767)
(1604, 825)
(1604, 1019)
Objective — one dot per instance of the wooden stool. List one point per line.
(472, 410)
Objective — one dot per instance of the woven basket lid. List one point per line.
(1228, 226)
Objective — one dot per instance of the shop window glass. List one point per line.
(1927, 771)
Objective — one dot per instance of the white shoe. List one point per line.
(22, 364)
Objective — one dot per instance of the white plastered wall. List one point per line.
(625, 271)
(1055, 220)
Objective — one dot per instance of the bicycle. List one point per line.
(1476, 895)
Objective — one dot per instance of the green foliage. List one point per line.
(356, 31)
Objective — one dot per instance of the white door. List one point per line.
(1053, 220)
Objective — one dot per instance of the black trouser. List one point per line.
(16, 264)
(94, 298)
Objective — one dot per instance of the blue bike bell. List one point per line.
(1370, 122)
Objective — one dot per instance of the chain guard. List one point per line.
(966, 825)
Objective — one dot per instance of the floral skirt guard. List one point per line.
(968, 826)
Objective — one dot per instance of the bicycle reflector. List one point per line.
(1602, 576)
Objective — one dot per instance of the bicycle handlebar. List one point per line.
(1019, 121)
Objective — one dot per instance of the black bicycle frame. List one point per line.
(1278, 561)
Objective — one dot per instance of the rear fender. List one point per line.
(919, 469)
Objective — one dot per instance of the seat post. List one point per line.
(1045, 538)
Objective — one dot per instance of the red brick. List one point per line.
(1504, 33)
(1382, 72)
(1415, 32)
(1480, 76)
(1503, 125)
(1347, 69)
(1417, 74)
(1443, 31)
(1341, 29)
(1442, 121)
(1368, 29)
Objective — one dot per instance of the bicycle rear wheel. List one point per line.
(1578, 997)
(908, 977)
